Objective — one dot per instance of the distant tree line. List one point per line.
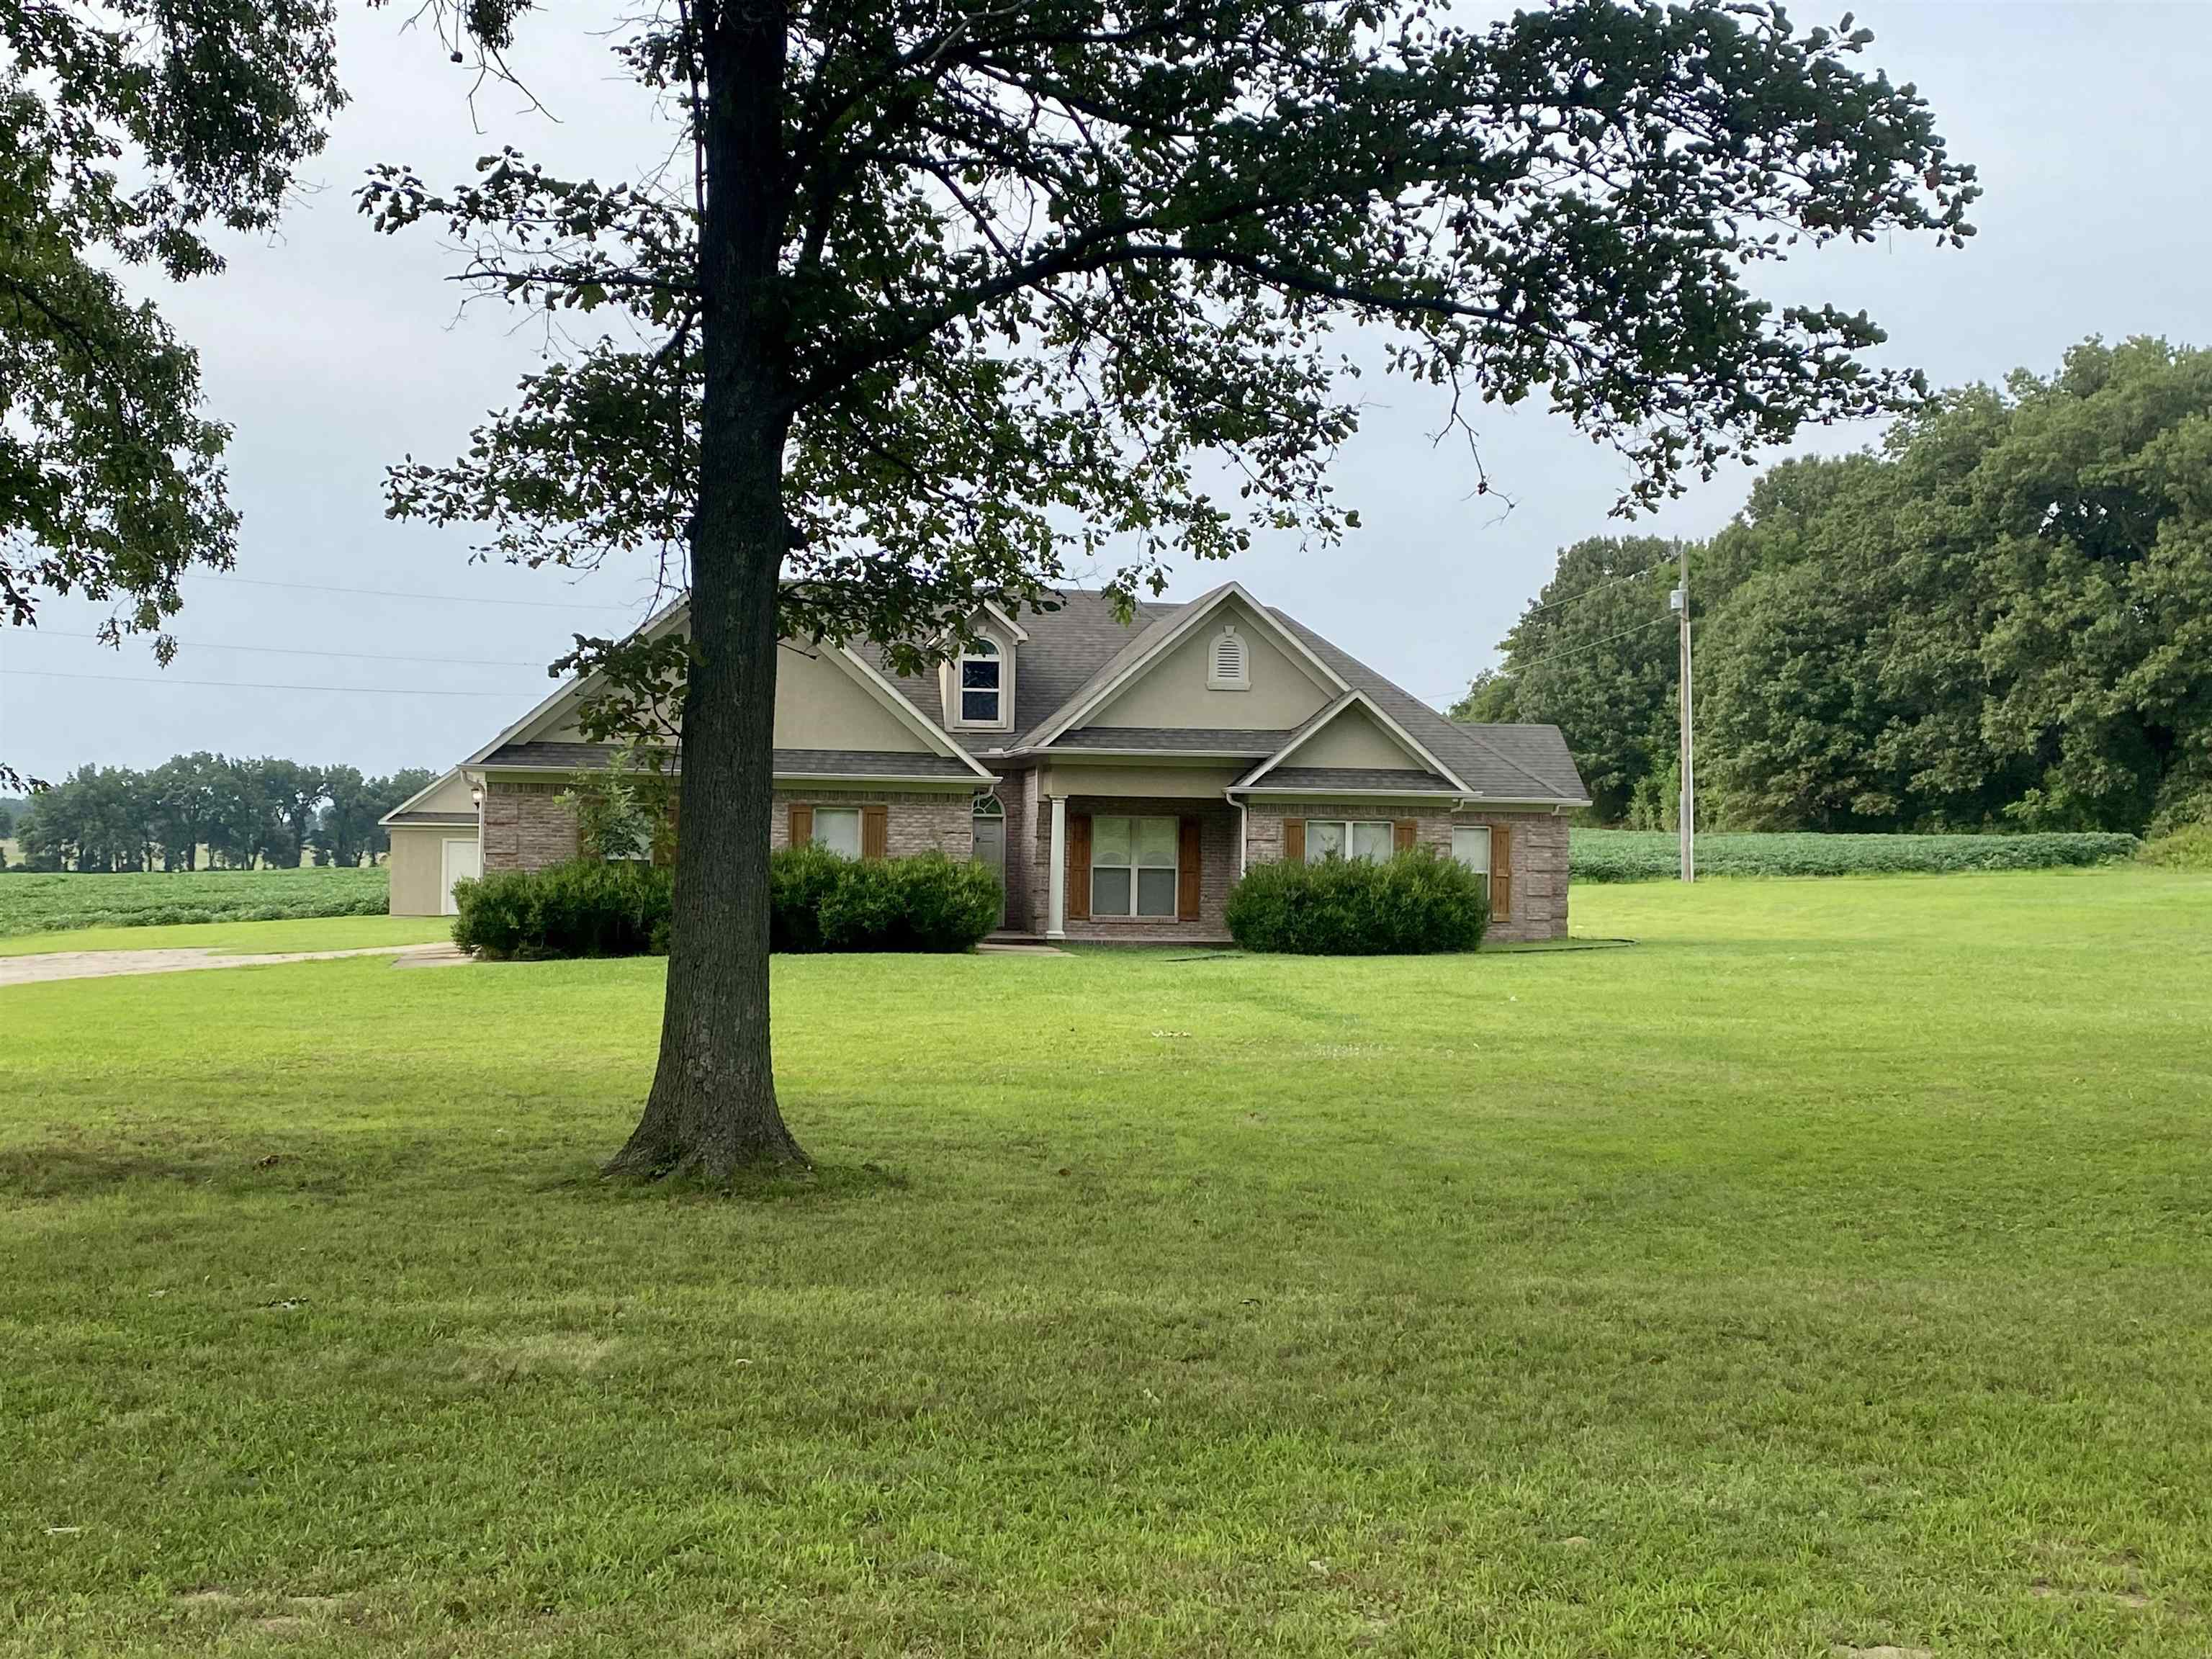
(238, 814)
(2003, 618)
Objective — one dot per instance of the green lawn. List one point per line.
(38, 904)
(1833, 1268)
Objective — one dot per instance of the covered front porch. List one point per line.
(1138, 869)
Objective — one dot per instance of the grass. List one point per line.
(1603, 855)
(1833, 1267)
(43, 904)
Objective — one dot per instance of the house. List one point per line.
(1120, 774)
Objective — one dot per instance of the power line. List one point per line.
(395, 593)
(1598, 587)
(255, 685)
(1554, 656)
(308, 651)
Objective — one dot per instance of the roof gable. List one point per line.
(1354, 734)
(1152, 647)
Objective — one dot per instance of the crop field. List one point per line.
(33, 904)
(1828, 1272)
(1600, 855)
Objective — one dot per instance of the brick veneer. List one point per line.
(1539, 841)
(525, 827)
(919, 821)
(1216, 864)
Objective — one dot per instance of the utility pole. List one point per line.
(1679, 601)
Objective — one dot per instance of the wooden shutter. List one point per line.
(1187, 871)
(802, 823)
(1294, 840)
(1079, 866)
(1501, 873)
(1402, 835)
(875, 832)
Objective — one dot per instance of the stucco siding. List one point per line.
(1172, 691)
(1353, 739)
(1184, 782)
(820, 705)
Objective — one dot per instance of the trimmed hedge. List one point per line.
(1654, 855)
(580, 909)
(818, 901)
(1414, 904)
(822, 901)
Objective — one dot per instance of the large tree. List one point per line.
(944, 293)
(129, 129)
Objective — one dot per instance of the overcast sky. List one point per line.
(334, 352)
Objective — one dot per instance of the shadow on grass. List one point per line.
(79, 1169)
(825, 1184)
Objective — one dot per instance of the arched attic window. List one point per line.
(1229, 664)
(982, 684)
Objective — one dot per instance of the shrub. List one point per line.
(2189, 847)
(800, 880)
(928, 903)
(1653, 855)
(580, 909)
(818, 901)
(1414, 904)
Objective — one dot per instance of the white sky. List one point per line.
(334, 352)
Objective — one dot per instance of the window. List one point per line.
(1337, 838)
(1132, 866)
(838, 829)
(1229, 666)
(979, 684)
(1471, 847)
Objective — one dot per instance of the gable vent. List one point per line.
(1230, 667)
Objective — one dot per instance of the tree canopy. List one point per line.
(944, 296)
(130, 130)
(1999, 619)
(240, 812)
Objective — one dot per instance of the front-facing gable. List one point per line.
(1358, 744)
(1280, 688)
(1171, 677)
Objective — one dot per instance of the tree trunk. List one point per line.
(712, 1110)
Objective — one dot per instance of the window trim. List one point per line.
(1175, 868)
(988, 647)
(860, 827)
(1345, 824)
(1489, 850)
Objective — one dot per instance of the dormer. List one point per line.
(977, 679)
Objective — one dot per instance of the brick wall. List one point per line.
(1216, 869)
(525, 827)
(1013, 795)
(918, 822)
(1539, 853)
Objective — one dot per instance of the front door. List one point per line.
(461, 857)
(991, 849)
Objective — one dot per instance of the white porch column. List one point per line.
(1055, 925)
